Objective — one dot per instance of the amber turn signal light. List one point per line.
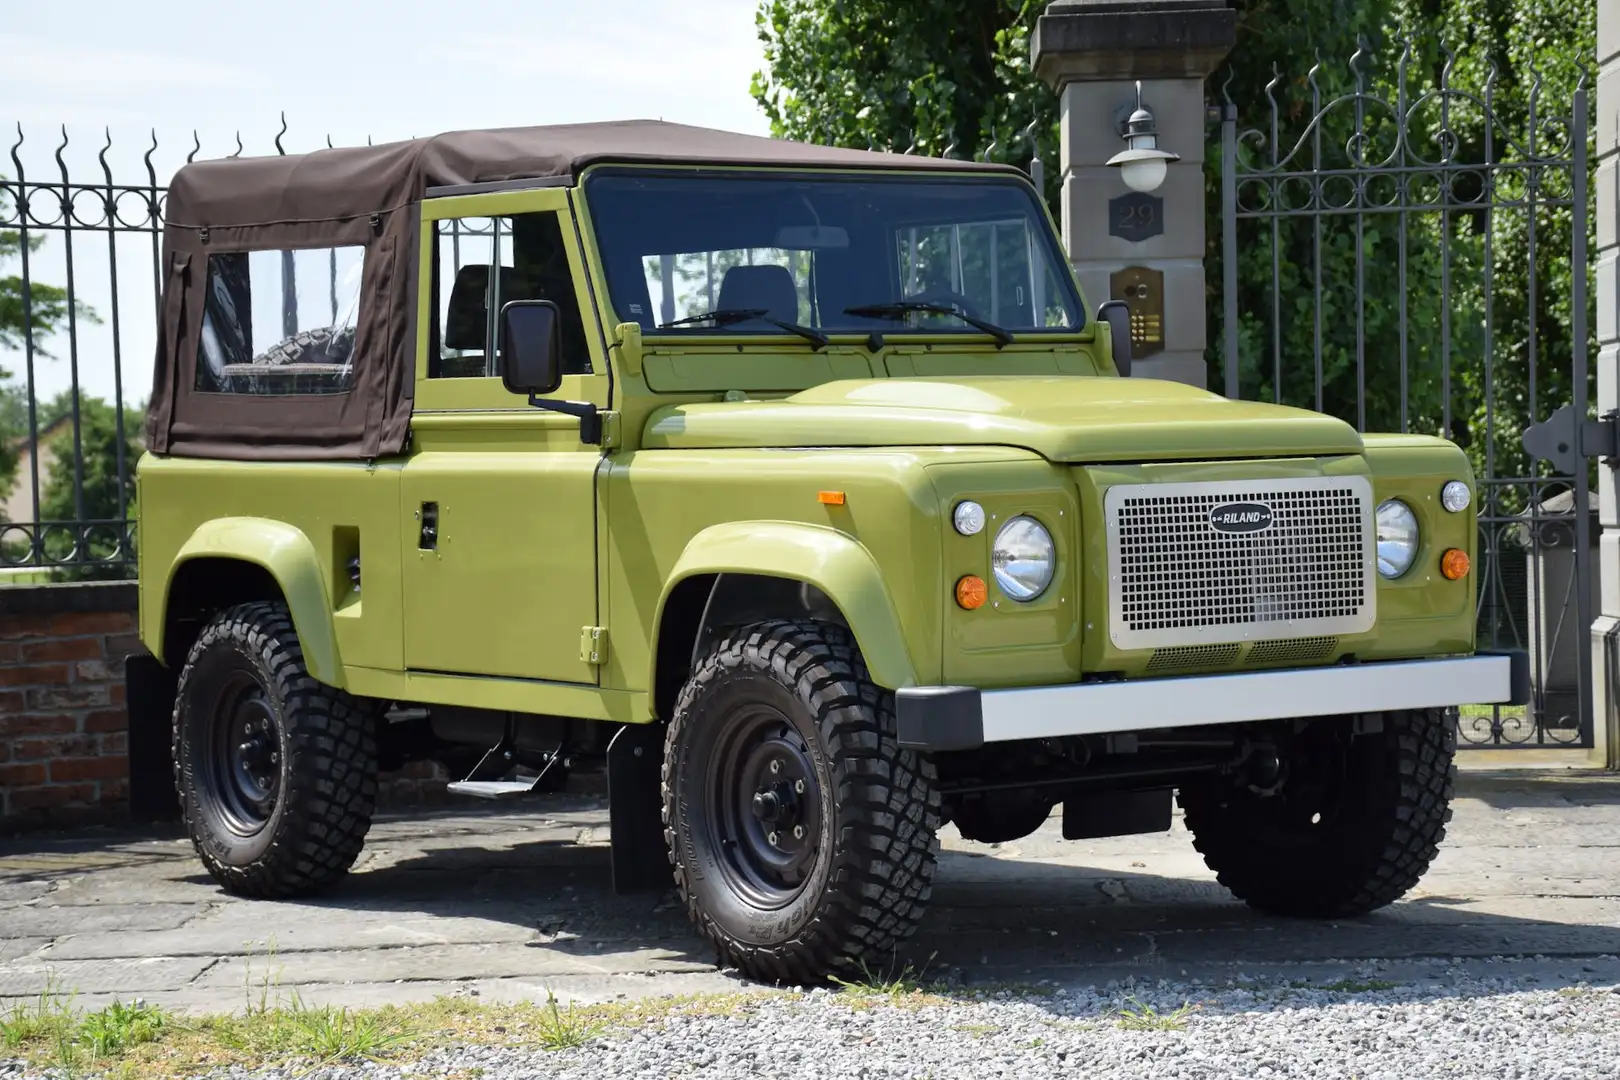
(831, 498)
(1454, 564)
(972, 592)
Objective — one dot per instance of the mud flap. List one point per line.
(1116, 813)
(150, 688)
(640, 857)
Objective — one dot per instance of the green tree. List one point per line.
(99, 497)
(29, 314)
(890, 73)
(942, 77)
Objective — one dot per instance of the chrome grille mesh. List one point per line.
(1176, 579)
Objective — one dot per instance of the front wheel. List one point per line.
(277, 773)
(802, 836)
(1337, 823)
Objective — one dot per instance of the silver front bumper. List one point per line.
(962, 718)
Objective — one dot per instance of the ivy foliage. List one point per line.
(1424, 320)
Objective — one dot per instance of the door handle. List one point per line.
(428, 515)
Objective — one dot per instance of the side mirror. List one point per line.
(1117, 314)
(531, 347)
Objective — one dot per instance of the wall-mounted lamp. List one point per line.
(1143, 166)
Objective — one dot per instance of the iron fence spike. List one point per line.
(196, 147)
(106, 169)
(279, 134)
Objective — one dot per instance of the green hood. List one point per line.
(1070, 419)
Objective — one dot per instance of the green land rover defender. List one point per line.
(795, 488)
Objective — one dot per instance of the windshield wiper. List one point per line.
(900, 309)
(727, 316)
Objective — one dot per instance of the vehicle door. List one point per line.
(499, 497)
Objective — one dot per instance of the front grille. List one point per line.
(1193, 656)
(1290, 559)
(1276, 652)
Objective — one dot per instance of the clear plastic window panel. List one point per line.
(280, 322)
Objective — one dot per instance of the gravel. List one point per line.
(1457, 1026)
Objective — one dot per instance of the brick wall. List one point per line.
(64, 749)
(63, 729)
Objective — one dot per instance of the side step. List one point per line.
(492, 789)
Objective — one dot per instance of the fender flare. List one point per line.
(832, 561)
(290, 558)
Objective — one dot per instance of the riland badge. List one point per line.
(1240, 517)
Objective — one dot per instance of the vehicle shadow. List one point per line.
(533, 887)
(994, 917)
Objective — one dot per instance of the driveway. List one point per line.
(509, 904)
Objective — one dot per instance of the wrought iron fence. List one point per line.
(1408, 250)
(79, 262)
(67, 465)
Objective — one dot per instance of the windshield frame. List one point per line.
(1042, 226)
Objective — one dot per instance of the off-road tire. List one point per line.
(326, 752)
(319, 345)
(872, 868)
(1366, 852)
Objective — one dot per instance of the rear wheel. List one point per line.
(802, 835)
(1341, 825)
(277, 773)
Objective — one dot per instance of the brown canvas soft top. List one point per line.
(367, 196)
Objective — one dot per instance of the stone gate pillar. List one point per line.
(1146, 248)
(1606, 630)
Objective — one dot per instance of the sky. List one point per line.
(347, 69)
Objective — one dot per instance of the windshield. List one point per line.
(743, 253)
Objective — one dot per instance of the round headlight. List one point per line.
(1455, 496)
(968, 518)
(1023, 558)
(1397, 538)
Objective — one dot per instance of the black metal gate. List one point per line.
(1407, 250)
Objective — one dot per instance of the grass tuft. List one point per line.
(890, 984)
(108, 1032)
(1137, 1016)
(39, 1020)
(1350, 986)
(565, 1029)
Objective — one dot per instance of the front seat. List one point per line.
(466, 321)
(767, 287)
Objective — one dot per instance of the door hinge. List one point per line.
(610, 428)
(593, 644)
(1565, 437)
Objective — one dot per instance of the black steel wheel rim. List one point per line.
(764, 807)
(1311, 799)
(242, 759)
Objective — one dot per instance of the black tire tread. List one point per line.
(889, 805)
(330, 787)
(1419, 746)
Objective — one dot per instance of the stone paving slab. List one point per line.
(449, 964)
(512, 902)
(17, 948)
(35, 975)
(53, 921)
